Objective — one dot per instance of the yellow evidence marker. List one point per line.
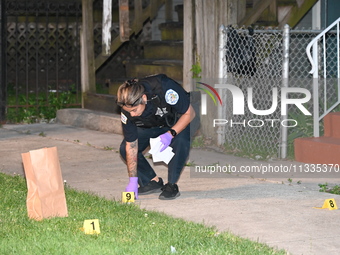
(128, 197)
(328, 204)
(91, 227)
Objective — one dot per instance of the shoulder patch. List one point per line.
(123, 118)
(171, 97)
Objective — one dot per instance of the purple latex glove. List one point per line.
(165, 140)
(133, 186)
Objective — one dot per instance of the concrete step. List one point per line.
(163, 50)
(101, 102)
(144, 67)
(94, 120)
(332, 125)
(317, 150)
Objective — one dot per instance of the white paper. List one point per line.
(157, 156)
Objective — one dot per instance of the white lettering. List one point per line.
(261, 112)
(255, 123)
(256, 120)
(238, 100)
(220, 122)
(238, 123)
(297, 101)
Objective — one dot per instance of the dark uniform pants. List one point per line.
(180, 146)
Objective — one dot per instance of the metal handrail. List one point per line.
(315, 72)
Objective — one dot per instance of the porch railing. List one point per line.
(127, 27)
(318, 52)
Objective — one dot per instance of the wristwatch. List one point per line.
(173, 132)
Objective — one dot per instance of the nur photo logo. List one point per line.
(286, 97)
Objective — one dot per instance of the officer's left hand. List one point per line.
(165, 140)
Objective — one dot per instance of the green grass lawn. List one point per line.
(125, 229)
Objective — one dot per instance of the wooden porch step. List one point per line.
(275, 13)
(171, 31)
(317, 150)
(145, 67)
(163, 50)
(114, 85)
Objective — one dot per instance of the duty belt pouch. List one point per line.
(45, 195)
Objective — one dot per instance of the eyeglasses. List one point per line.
(135, 103)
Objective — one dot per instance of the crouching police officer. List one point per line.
(151, 107)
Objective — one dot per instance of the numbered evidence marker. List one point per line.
(91, 227)
(128, 197)
(328, 204)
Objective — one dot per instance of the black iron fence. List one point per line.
(42, 58)
(2, 62)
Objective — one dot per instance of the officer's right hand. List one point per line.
(133, 186)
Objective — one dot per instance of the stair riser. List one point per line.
(332, 125)
(163, 52)
(316, 151)
(175, 72)
(175, 34)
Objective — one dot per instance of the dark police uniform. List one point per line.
(167, 100)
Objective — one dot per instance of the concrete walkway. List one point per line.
(267, 208)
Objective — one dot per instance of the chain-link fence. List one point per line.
(261, 63)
